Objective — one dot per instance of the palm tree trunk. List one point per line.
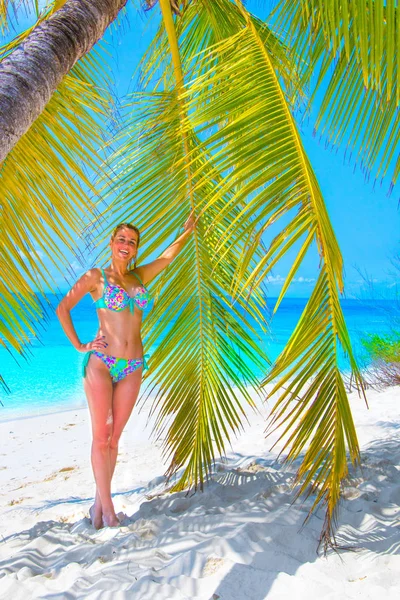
(30, 74)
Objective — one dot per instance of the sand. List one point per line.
(242, 538)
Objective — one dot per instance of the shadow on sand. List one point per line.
(242, 533)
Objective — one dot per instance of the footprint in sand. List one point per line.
(25, 573)
(180, 505)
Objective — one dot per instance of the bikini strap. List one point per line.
(85, 362)
(137, 277)
(105, 278)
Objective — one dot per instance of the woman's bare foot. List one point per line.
(111, 520)
(96, 516)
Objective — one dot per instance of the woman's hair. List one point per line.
(127, 226)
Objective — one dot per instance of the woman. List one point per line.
(114, 359)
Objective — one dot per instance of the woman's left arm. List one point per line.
(152, 269)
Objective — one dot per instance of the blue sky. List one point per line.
(366, 221)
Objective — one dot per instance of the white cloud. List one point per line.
(77, 269)
(279, 280)
(32, 253)
(276, 279)
(304, 279)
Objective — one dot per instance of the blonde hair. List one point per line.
(127, 226)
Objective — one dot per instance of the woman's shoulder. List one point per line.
(94, 273)
(92, 277)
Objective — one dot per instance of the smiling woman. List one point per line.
(114, 360)
(125, 243)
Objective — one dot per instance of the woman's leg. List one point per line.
(125, 395)
(99, 392)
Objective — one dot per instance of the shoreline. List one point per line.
(37, 379)
(40, 414)
(82, 405)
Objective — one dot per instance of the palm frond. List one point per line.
(207, 349)
(31, 7)
(202, 25)
(248, 168)
(13, 10)
(349, 52)
(313, 410)
(238, 107)
(45, 194)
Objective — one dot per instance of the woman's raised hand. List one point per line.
(190, 223)
(99, 343)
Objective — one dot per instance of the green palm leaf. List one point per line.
(208, 350)
(30, 7)
(238, 109)
(203, 345)
(45, 192)
(215, 133)
(11, 10)
(244, 167)
(350, 53)
(319, 424)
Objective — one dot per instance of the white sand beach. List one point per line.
(242, 538)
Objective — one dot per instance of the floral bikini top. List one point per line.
(116, 298)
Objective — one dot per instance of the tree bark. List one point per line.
(32, 72)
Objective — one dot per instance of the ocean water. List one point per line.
(49, 379)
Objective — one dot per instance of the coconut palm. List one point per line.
(212, 129)
(44, 179)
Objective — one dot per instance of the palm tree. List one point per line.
(33, 71)
(212, 129)
(43, 175)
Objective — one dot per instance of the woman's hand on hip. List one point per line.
(99, 343)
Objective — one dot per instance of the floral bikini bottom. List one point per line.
(118, 367)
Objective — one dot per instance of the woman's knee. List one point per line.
(114, 440)
(102, 438)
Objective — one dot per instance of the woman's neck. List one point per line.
(121, 269)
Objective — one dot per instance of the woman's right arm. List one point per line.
(86, 284)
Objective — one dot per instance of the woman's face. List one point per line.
(124, 244)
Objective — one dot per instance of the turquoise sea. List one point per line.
(49, 380)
